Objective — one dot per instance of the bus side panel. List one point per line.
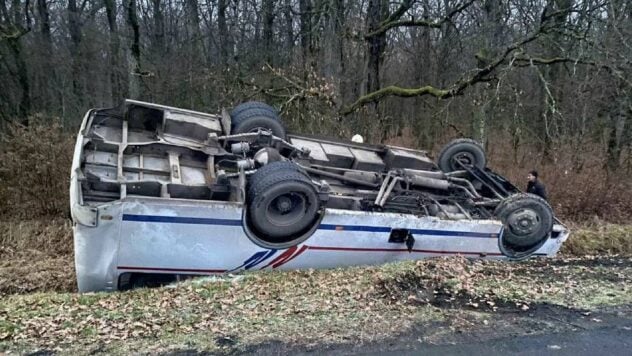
(350, 238)
(183, 238)
(96, 250)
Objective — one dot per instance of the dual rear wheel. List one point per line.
(283, 205)
(253, 115)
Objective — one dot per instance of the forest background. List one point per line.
(543, 84)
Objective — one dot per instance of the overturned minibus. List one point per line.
(159, 193)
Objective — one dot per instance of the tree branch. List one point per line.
(12, 32)
(457, 88)
(532, 61)
(393, 20)
(406, 23)
(401, 10)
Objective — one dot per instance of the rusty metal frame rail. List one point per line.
(472, 171)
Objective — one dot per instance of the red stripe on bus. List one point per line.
(172, 269)
(359, 249)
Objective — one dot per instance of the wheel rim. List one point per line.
(287, 209)
(524, 222)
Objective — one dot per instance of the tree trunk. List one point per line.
(16, 49)
(618, 123)
(377, 12)
(289, 30)
(339, 49)
(117, 93)
(159, 28)
(74, 27)
(193, 30)
(376, 45)
(44, 78)
(224, 42)
(134, 85)
(492, 41)
(620, 116)
(24, 107)
(447, 50)
(44, 22)
(551, 92)
(305, 8)
(268, 22)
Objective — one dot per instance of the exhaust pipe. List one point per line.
(429, 174)
(428, 182)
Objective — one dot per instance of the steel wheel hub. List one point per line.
(523, 222)
(284, 204)
(287, 209)
(465, 158)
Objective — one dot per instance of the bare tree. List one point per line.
(118, 90)
(268, 22)
(134, 86)
(549, 73)
(305, 8)
(12, 30)
(224, 42)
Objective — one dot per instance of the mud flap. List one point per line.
(402, 236)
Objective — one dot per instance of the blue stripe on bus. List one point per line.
(354, 228)
(412, 231)
(180, 220)
(333, 227)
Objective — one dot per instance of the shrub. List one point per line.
(599, 238)
(35, 170)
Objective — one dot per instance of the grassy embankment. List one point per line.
(312, 307)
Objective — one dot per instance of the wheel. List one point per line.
(263, 173)
(466, 150)
(254, 115)
(251, 120)
(528, 221)
(282, 203)
(253, 105)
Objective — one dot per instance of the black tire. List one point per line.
(253, 105)
(282, 203)
(469, 151)
(528, 221)
(263, 173)
(251, 120)
(252, 112)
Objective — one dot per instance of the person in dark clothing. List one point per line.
(534, 186)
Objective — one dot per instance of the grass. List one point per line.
(599, 238)
(356, 305)
(52, 235)
(259, 307)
